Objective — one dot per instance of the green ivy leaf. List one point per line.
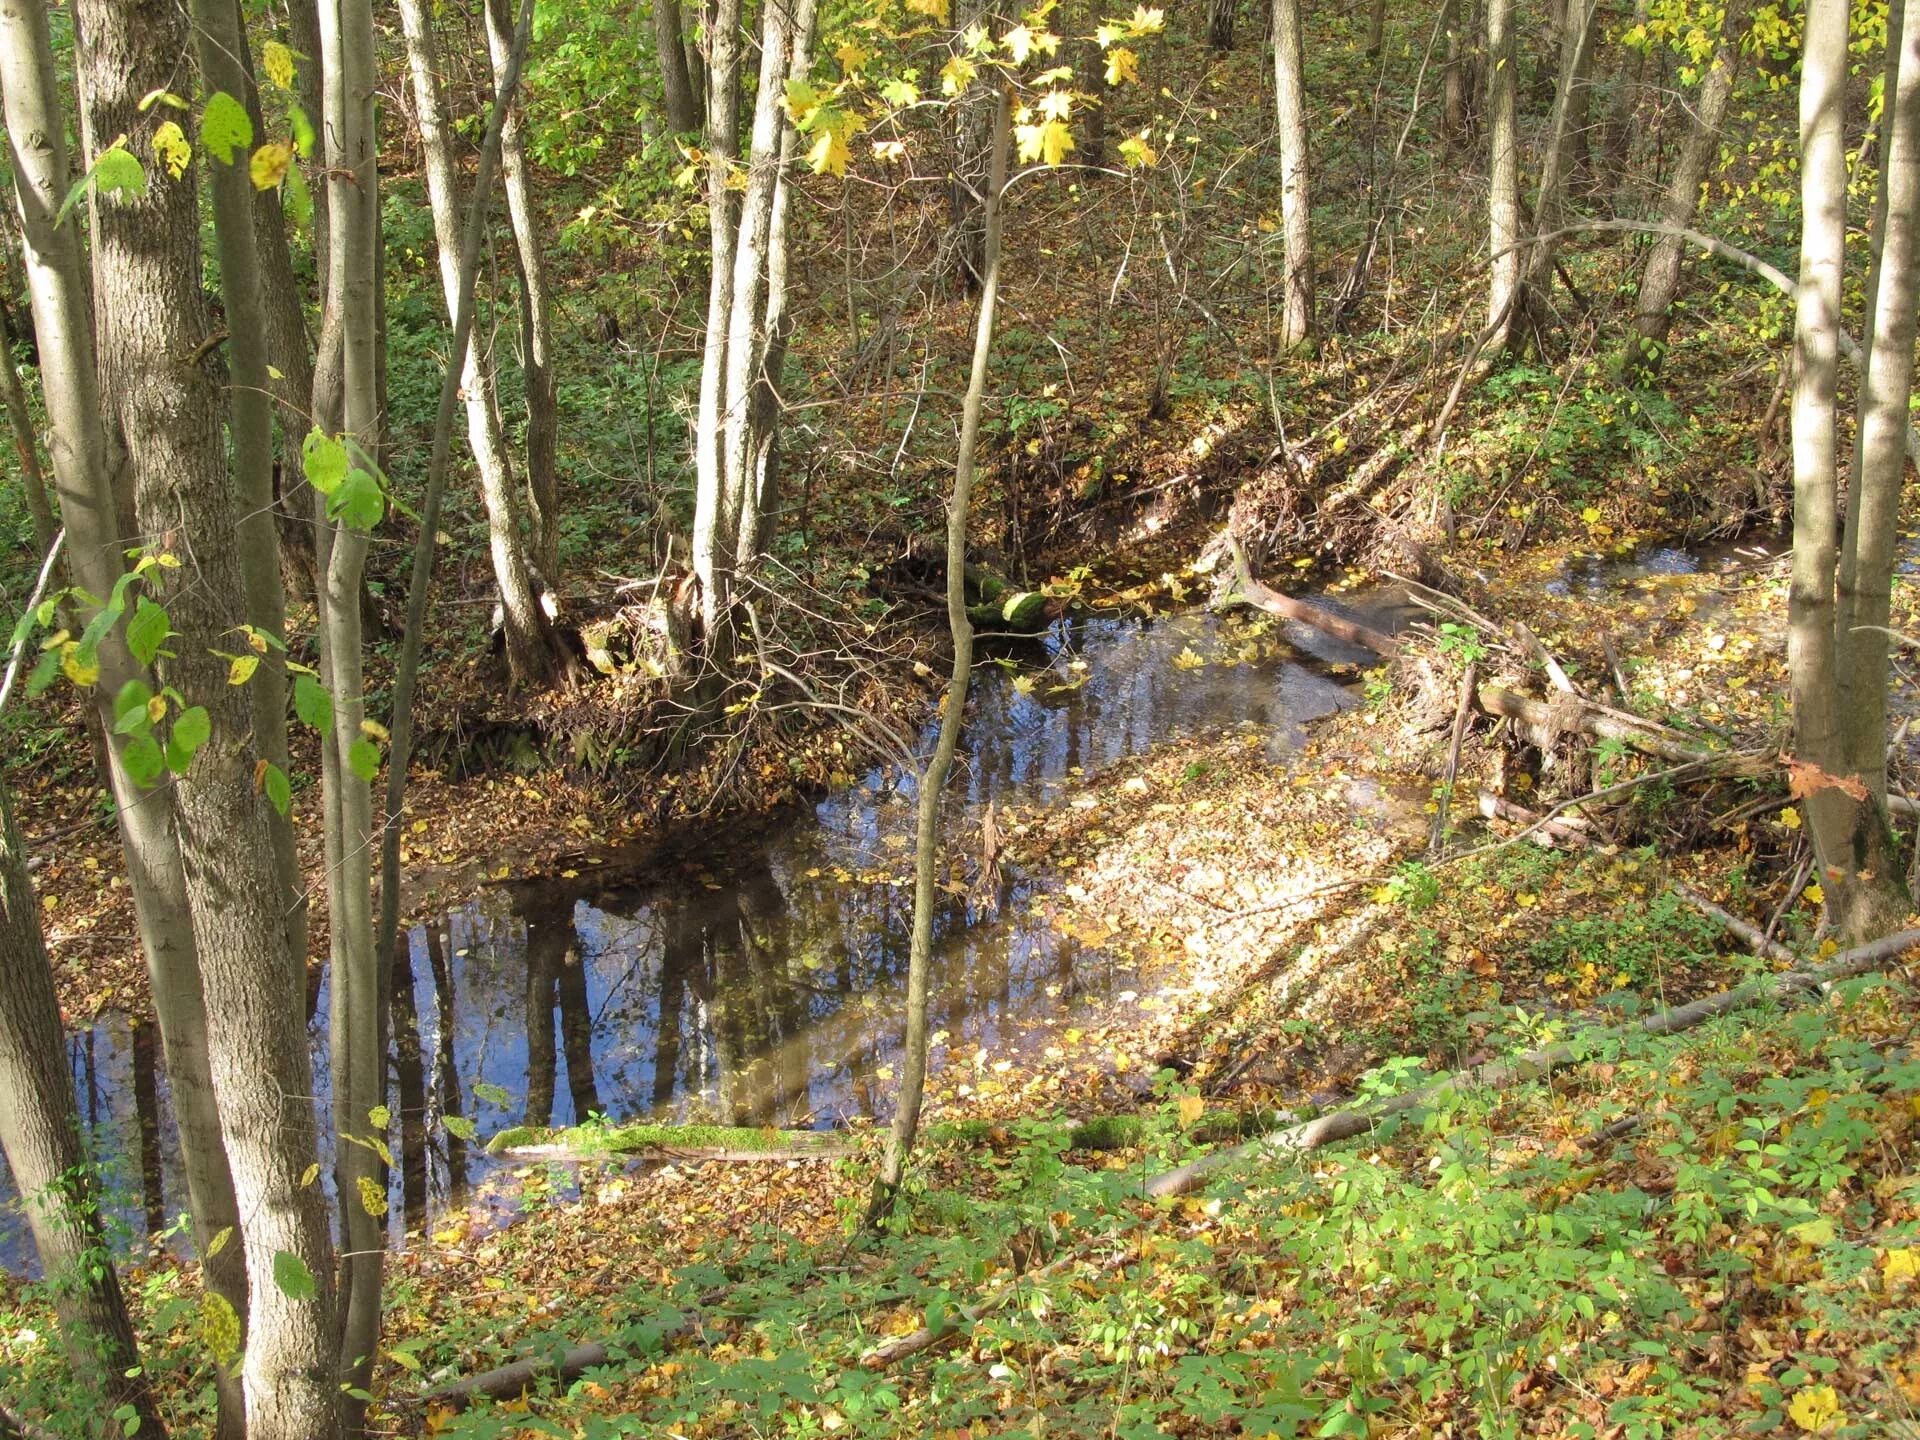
(130, 708)
(148, 630)
(144, 761)
(358, 501)
(324, 458)
(225, 126)
(313, 704)
(291, 1275)
(279, 789)
(363, 758)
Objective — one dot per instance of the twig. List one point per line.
(26, 626)
(1460, 715)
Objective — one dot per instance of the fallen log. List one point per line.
(1243, 589)
(732, 1144)
(509, 1382)
(1569, 713)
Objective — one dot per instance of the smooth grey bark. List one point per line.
(710, 560)
(1503, 175)
(933, 779)
(682, 104)
(1837, 670)
(1296, 215)
(357, 999)
(1866, 567)
(1660, 276)
(533, 657)
(153, 321)
(1454, 86)
(536, 322)
(40, 1133)
(972, 161)
(220, 40)
(303, 34)
(78, 453)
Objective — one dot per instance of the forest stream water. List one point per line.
(761, 980)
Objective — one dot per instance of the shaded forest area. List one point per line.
(766, 719)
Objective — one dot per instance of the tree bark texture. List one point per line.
(1296, 216)
(1503, 174)
(153, 320)
(78, 452)
(683, 107)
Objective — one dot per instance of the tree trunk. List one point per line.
(1220, 24)
(1376, 28)
(1503, 174)
(40, 1132)
(357, 997)
(1616, 135)
(1872, 899)
(536, 324)
(78, 452)
(220, 39)
(153, 321)
(972, 162)
(926, 854)
(1454, 89)
(1296, 219)
(1556, 162)
(1660, 278)
(533, 655)
(683, 109)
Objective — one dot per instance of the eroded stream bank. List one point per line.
(760, 982)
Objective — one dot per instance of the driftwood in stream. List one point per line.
(1361, 1119)
(1544, 719)
(734, 1144)
(1242, 589)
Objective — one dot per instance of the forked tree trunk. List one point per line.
(153, 320)
(78, 452)
(1556, 162)
(683, 107)
(40, 1133)
(533, 655)
(1838, 670)
(1296, 215)
(536, 322)
(1503, 175)
(1660, 277)
(926, 854)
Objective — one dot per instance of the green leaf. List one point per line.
(148, 630)
(115, 171)
(43, 672)
(219, 1328)
(379, 1117)
(193, 728)
(459, 1126)
(225, 126)
(279, 790)
(242, 668)
(363, 758)
(358, 501)
(297, 198)
(303, 136)
(493, 1094)
(144, 761)
(291, 1275)
(324, 458)
(313, 704)
(130, 708)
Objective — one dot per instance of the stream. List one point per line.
(762, 980)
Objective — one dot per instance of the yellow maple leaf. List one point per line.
(1816, 1408)
(1122, 66)
(1815, 895)
(1047, 142)
(171, 149)
(934, 10)
(957, 74)
(1192, 1107)
(852, 58)
(1137, 152)
(277, 60)
(1790, 818)
(269, 164)
(1899, 1265)
(829, 153)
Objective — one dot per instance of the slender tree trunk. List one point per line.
(1503, 174)
(358, 1064)
(153, 323)
(89, 510)
(40, 1132)
(972, 142)
(536, 324)
(1556, 161)
(683, 108)
(1454, 87)
(1660, 277)
(711, 539)
(1296, 218)
(1872, 899)
(533, 656)
(303, 34)
(1220, 24)
(1376, 28)
(926, 855)
(1616, 135)
(220, 38)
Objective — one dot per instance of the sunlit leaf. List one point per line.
(291, 1275)
(225, 127)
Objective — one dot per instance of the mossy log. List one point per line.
(1104, 1132)
(739, 1144)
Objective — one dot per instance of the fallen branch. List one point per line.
(734, 1145)
(1498, 807)
(1452, 773)
(1245, 590)
(1570, 713)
